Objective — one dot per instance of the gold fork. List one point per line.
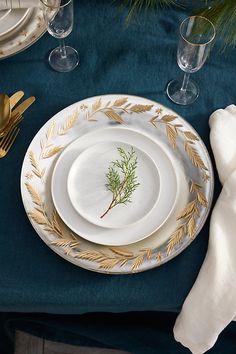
(14, 121)
(8, 140)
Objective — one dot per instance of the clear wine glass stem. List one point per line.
(185, 82)
(62, 47)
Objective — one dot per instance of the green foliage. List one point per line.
(135, 6)
(122, 190)
(222, 13)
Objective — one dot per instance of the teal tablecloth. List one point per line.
(139, 60)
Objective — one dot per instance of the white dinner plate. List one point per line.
(165, 127)
(157, 209)
(11, 20)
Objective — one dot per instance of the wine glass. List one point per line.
(196, 36)
(59, 18)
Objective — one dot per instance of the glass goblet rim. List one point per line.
(197, 44)
(55, 7)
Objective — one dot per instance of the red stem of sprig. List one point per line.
(108, 209)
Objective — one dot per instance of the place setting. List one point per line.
(117, 184)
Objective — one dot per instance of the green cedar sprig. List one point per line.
(122, 179)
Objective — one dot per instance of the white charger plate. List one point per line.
(148, 117)
(161, 206)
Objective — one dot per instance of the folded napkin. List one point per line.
(211, 303)
(18, 4)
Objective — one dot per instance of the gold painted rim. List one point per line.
(196, 44)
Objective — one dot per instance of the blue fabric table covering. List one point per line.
(137, 60)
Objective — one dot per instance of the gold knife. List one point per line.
(15, 98)
(22, 107)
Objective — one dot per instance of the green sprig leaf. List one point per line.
(122, 179)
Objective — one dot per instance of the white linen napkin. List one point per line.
(18, 4)
(211, 303)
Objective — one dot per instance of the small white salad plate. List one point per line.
(79, 187)
(90, 196)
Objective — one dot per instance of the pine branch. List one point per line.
(122, 190)
(135, 6)
(222, 13)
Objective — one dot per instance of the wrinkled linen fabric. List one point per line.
(211, 303)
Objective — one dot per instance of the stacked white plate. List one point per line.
(19, 28)
(65, 193)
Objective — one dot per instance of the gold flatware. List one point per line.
(5, 110)
(8, 140)
(22, 107)
(12, 123)
(15, 98)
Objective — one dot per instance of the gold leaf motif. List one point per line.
(196, 210)
(171, 135)
(195, 157)
(50, 131)
(191, 227)
(70, 122)
(42, 144)
(39, 218)
(65, 243)
(138, 262)
(205, 177)
(108, 263)
(188, 210)
(33, 159)
(195, 187)
(39, 173)
(148, 252)
(51, 152)
(40, 210)
(153, 120)
(36, 167)
(190, 135)
(97, 104)
(120, 102)
(36, 198)
(123, 262)
(91, 256)
(175, 239)
(202, 199)
(48, 228)
(159, 257)
(168, 118)
(114, 116)
(108, 104)
(122, 252)
(56, 222)
(140, 108)
(28, 175)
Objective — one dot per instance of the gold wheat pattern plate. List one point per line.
(23, 36)
(144, 116)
